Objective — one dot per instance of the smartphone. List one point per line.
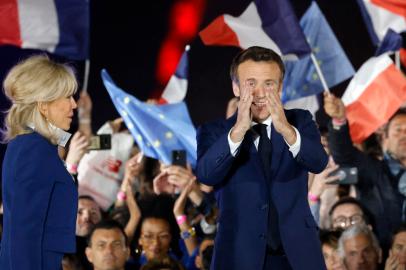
(179, 158)
(347, 176)
(100, 142)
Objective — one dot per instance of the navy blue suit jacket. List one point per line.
(243, 194)
(40, 204)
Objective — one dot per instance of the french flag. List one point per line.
(58, 26)
(175, 90)
(374, 94)
(382, 15)
(267, 23)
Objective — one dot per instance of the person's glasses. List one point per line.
(343, 222)
(159, 237)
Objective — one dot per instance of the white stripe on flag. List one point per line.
(309, 103)
(365, 76)
(175, 91)
(248, 28)
(383, 19)
(38, 24)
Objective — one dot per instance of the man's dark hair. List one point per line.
(401, 111)
(256, 54)
(350, 200)
(86, 197)
(400, 229)
(330, 238)
(107, 225)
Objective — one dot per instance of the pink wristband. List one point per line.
(313, 198)
(181, 219)
(72, 168)
(121, 196)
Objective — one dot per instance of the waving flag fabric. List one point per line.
(301, 78)
(157, 129)
(175, 90)
(382, 15)
(59, 27)
(377, 90)
(267, 23)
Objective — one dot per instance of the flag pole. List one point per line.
(86, 76)
(397, 59)
(319, 73)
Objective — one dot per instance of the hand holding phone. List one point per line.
(179, 158)
(346, 176)
(100, 142)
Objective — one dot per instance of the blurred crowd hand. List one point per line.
(78, 147)
(180, 203)
(179, 176)
(393, 262)
(161, 184)
(85, 105)
(133, 168)
(334, 106)
(321, 181)
(116, 124)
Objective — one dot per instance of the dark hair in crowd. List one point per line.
(257, 54)
(350, 200)
(107, 225)
(400, 229)
(401, 111)
(330, 238)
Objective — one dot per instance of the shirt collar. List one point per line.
(61, 135)
(267, 122)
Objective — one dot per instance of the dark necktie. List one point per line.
(264, 151)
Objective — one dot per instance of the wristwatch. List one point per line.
(187, 234)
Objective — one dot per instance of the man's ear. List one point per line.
(236, 89)
(43, 108)
(89, 254)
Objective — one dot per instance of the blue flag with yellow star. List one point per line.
(157, 129)
(301, 78)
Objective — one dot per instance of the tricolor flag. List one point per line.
(175, 90)
(59, 27)
(157, 129)
(267, 23)
(301, 77)
(375, 93)
(382, 15)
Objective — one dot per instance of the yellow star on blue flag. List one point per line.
(157, 129)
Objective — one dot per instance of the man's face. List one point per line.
(261, 77)
(108, 250)
(360, 254)
(399, 247)
(345, 215)
(88, 215)
(396, 137)
(155, 238)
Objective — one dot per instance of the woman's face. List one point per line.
(60, 112)
(155, 238)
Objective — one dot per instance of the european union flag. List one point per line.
(157, 129)
(301, 78)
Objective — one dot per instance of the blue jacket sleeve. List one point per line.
(32, 191)
(214, 158)
(312, 155)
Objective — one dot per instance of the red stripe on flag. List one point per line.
(219, 33)
(379, 101)
(403, 57)
(9, 23)
(395, 6)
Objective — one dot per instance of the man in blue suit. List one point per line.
(258, 162)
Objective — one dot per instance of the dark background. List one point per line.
(126, 36)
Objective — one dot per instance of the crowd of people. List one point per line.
(164, 217)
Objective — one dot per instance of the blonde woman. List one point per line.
(39, 196)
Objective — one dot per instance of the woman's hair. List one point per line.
(36, 79)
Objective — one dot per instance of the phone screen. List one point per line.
(100, 142)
